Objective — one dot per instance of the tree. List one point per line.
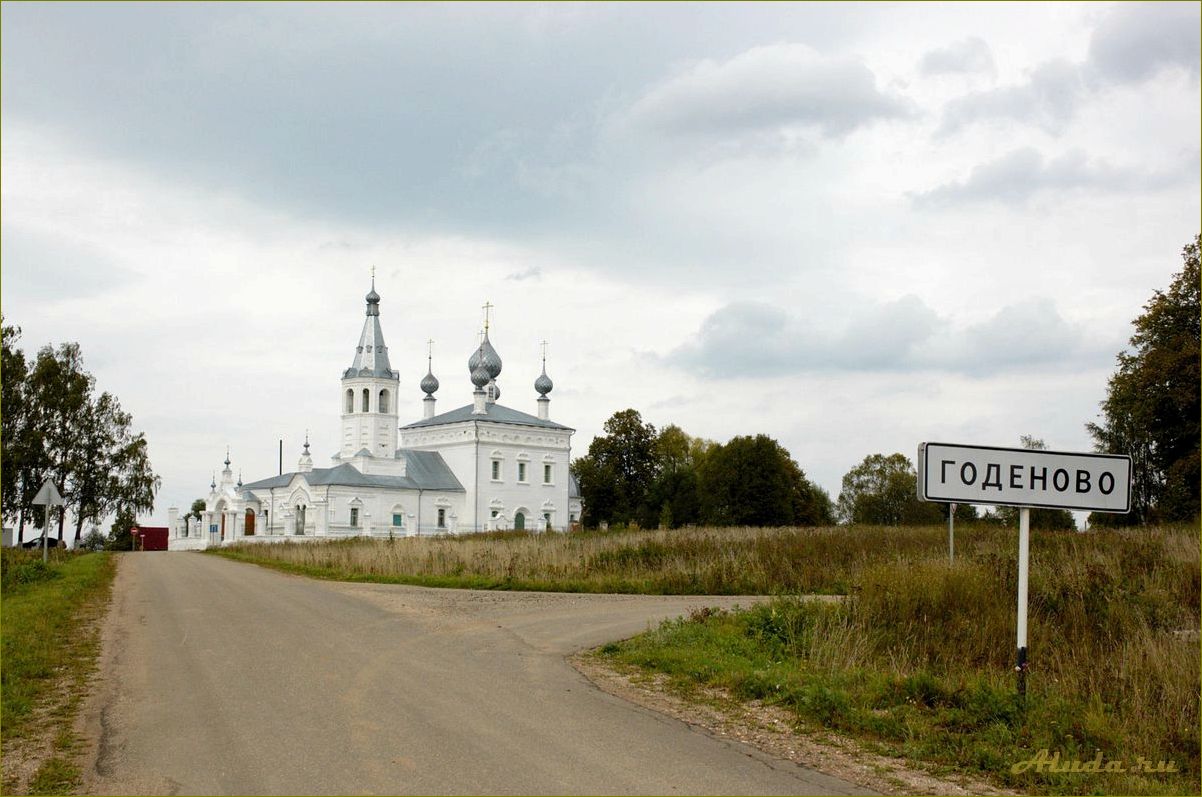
(18, 464)
(619, 467)
(753, 481)
(1151, 411)
(198, 506)
(883, 491)
(55, 426)
(121, 536)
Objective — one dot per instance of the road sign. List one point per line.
(969, 474)
(48, 495)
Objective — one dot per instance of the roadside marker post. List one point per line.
(48, 496)
(1023, 478)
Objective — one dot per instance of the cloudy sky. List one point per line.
(851, 227)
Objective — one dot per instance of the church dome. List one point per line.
(489, 358)
(429, 383)
(494, 392)
(480, 376)
(543, 384)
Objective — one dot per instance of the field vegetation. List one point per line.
(915, 661)
(49, 641)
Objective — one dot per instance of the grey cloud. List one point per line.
(755, 339)
(1048, 99)
(1136, 41)
(765, 88)
(1016, 176)
(1129, 45)
(534, 272)
(970, 55)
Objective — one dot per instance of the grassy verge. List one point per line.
(702, 561)
(49, 641)
(917, 661)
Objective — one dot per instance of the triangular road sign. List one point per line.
(48, 495)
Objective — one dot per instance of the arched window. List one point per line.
(383, 403)
(350, 401)
(366, 399)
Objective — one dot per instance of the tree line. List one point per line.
(636, 474)
(56, 425)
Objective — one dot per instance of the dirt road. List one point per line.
(224, 678)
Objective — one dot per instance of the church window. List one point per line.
(522, 471)
(546, 474)
(398, 520)
(300, 519)
(366, 399)
(350, 401)
(494, 513)
(442, 518)
(496, 470)
(354, 517)
(547, 520)
(383, 401)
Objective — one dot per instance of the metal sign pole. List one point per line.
(951, 533)
(47, 497)
(1024, 546)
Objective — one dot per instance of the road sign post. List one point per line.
(48, 496)
(1024, 478)
(951, 533)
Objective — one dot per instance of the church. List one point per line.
(479, 467)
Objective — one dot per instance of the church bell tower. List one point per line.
(369, 392)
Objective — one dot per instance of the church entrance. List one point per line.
(300, 519)
(250, 523)
(519, 522)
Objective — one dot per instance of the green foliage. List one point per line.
(752, 481)
(620, 464)
(46, 631)
(197, 509)
(121, 536)
(1152, 405)
(633, 475)
(56, 426)
(883, 490)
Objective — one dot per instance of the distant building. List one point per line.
(482, 466)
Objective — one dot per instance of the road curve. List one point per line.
(219, 677)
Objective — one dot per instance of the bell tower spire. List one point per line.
(369, 390)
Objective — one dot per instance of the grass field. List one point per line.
(49, 641)
(917, 661)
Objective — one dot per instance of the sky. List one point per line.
(852, 227)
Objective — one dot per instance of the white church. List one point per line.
(479, 467)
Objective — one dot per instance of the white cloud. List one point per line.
(769, 88)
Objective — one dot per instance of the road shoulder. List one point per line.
(771, 730)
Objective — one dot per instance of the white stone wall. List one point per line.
(374, 430)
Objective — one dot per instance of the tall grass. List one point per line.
(703, 561)
(919, 658)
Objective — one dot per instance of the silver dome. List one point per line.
(429, 383)
(480, 376)
(543, 384)
(494, 391)
(489, 358)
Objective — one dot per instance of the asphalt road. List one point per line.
(224, 678)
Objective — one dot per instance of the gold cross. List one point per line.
(487, 306)
(430, 349)
(544, 352)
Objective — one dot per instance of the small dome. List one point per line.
(429, 383)
(543, 384)
(480, 376)
(494, 392)
(372, 296)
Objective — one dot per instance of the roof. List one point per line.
(371, 356)
(573, 486)
(492, 412)
(425, 470)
